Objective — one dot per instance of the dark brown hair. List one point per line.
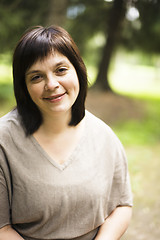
(38, 43)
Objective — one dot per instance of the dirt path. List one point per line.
(113, 108)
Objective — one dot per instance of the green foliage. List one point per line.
(149, 35)
(85, 20)
(6, 92)
(16, 16)
(86, 24)
(6, 86)
(91, 20)
(143, 33)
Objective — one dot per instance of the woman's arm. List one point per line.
(8, 233)
(116, 224)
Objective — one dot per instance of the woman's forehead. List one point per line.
(54, 59)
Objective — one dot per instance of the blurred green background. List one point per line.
(119, 41)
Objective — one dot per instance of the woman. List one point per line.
(63, 172)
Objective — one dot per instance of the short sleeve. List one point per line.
(126, 193)
(121, 194)
(4, 201)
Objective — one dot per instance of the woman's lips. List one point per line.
(54, 98)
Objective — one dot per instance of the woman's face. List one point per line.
(53, 84)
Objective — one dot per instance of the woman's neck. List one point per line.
(55, 124)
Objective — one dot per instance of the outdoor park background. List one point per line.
(120, 44)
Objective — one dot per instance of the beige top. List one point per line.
(45, 200)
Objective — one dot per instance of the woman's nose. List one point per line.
(51, 83)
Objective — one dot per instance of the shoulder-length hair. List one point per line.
(37, 43)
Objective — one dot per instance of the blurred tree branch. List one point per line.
(57, 12)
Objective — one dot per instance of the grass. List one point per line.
(141, 139)
(142, 158)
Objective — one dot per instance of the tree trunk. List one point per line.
(57, 12)
(116, 16)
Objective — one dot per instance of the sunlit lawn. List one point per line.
(134, 80)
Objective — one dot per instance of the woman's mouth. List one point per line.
(54, 98)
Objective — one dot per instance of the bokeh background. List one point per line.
(119, 41)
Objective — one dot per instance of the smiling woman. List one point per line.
(53, 85)
(38, 44)
(63, 172)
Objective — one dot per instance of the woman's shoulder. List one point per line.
(102, 135)
(9, 123)
(10, 117)
(97, 124)
(100, 130)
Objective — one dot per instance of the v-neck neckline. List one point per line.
(71, 157)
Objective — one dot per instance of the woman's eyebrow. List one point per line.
(54, 65)
(32, 72)
(60, 63)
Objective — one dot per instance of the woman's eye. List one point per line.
(36, 78)
(62, 70)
